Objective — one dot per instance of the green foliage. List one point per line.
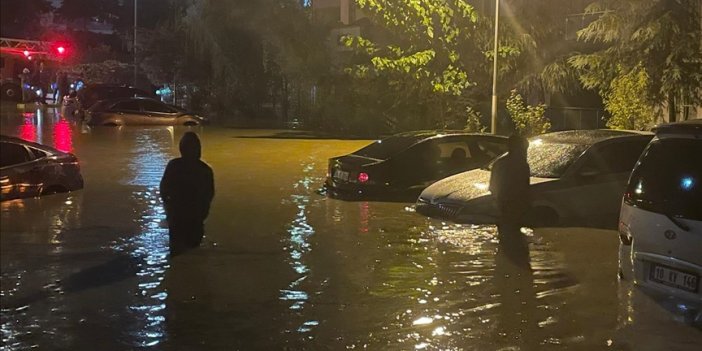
(473, 123)
(626, 101)
(662, 37)
(528, 120)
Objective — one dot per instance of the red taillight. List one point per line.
(362, 177)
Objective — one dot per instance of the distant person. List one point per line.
(62, 86)
(41, 80)
(187, 189)
(509, 182)
(25, 81)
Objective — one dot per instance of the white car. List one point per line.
(660, 225)
(577, 177)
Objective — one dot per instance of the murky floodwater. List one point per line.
(283, 267)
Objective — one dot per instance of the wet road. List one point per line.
(283, 267)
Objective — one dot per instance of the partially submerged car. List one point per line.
(29, 169)
(577, 177)
(92, 93)
(139, 111)
(661, 215)
(401, 166)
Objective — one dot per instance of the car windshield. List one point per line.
(668, 179)
(386, 148)
(550, 160)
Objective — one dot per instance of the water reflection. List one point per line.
(151, 152)
(298, 244)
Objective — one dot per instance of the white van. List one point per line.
(660, 224)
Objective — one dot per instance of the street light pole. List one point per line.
(135, 43)
(494, 71)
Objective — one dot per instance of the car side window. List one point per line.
(615, 158)
(36, 153)
(128, 105)
(154, 106)
(491, 148)
(12, 154)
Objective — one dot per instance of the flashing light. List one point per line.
(363, 177)
(687, 183)
(61, 50)
(26, 53)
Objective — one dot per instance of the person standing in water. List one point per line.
(187, 189)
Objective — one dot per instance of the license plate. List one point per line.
(342, 175)
(673, 277)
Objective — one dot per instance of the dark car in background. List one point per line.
(29, 169)
(139, 111)
(399, 167)
(92, 93)
(577, 177)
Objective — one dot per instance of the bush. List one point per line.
(528, 120)
(626, 101)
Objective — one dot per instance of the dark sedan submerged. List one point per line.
(577, 177)
(28, 169)
(139, 111)
(399, 167)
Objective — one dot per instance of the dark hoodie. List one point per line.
(187, 189)
(509, 180)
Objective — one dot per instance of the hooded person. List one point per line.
(187, 189)
(509, 182)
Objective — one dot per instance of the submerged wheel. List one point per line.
(542, 217)
(54, 189)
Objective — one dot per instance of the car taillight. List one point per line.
(363, 177)
(625, 234)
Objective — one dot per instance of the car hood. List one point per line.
(463, 187)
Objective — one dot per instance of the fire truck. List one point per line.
(18, 54)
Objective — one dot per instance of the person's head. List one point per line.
(190, 146)
(517, 145)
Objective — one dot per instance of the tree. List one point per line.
(626, 101)
(662, 37)
(20, 19)
(528, 120)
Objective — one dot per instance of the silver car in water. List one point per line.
(577, 177)
(139, 111)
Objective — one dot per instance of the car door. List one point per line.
(596, 185)
(158, 113)
(19, 176)
(128, 111)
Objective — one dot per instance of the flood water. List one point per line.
(285, 268)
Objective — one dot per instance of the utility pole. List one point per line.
(494, 71)
(135, 43)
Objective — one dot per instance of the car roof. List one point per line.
(691, 126)
(587, 137)
(137, 98)
(419, 135)
(11, 139)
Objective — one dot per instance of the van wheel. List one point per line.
(542, 217)
(11, 92)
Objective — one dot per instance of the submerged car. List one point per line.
(139, 111)
(661, 215)
(577, 177)
(29, 169)
(92, 93)
(400, 166)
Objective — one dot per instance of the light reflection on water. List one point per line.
(297, 244)
(151, 152)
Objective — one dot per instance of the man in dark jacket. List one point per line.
(187, 189)
(509, 182)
